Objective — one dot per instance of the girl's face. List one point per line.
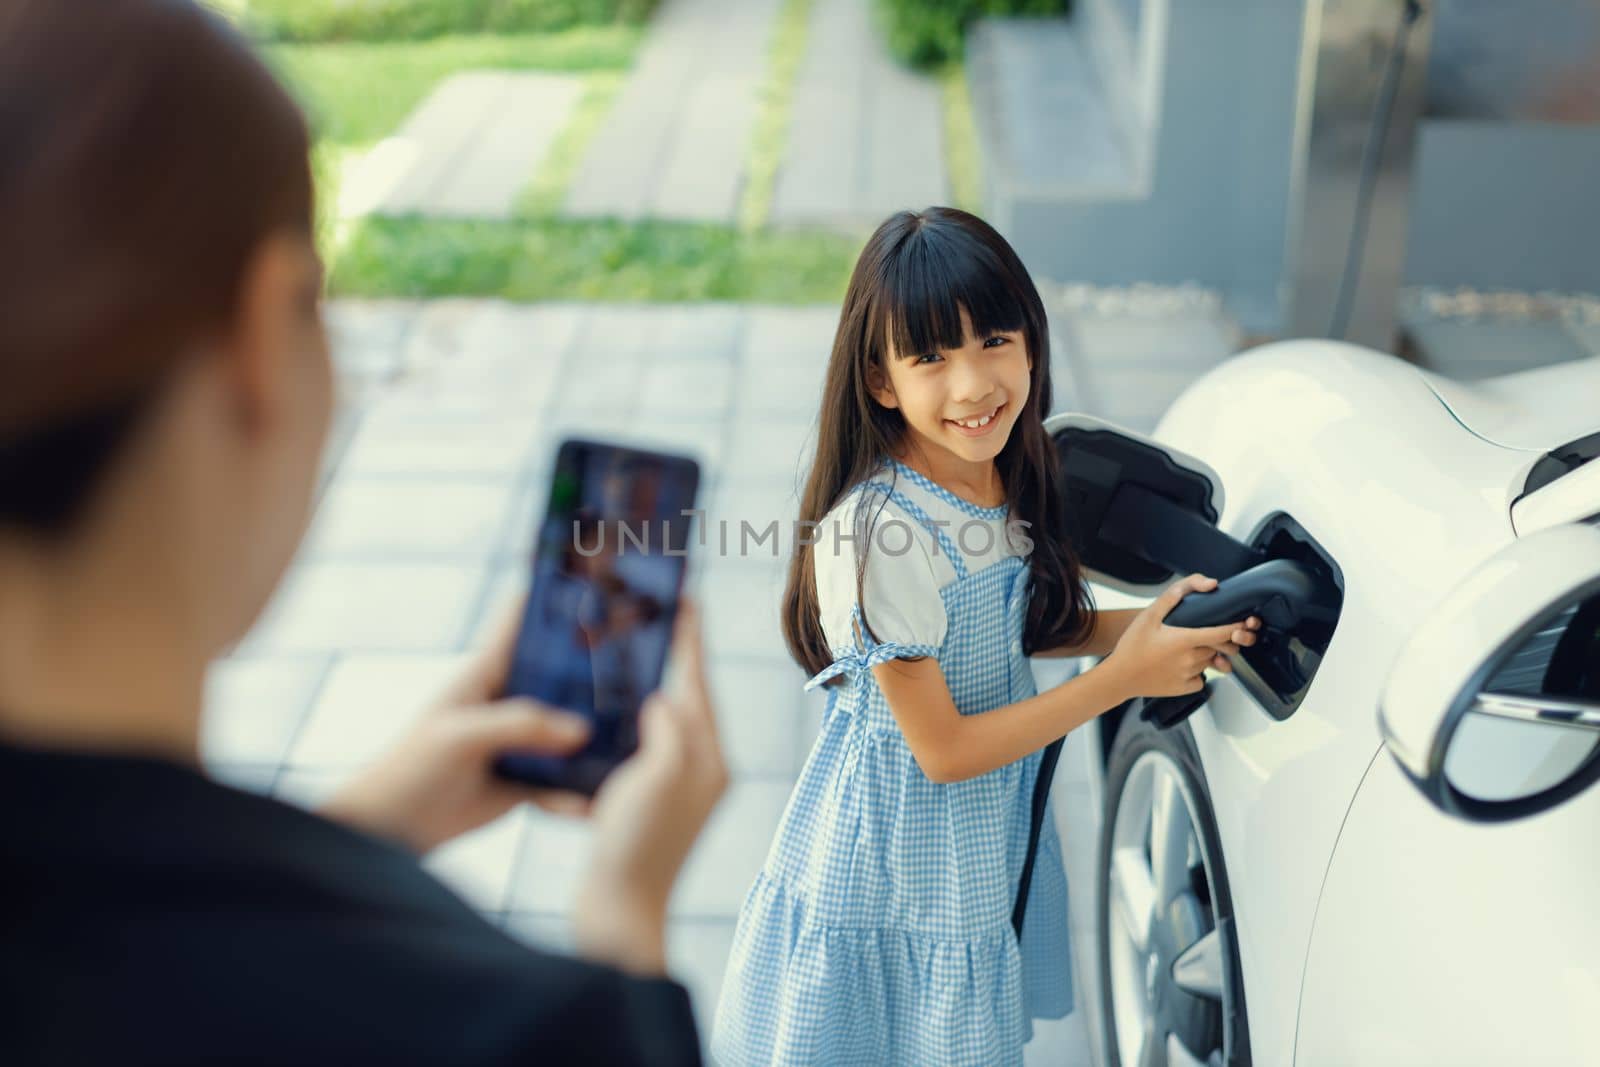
(959, 403)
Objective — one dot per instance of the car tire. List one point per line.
(1169, 987)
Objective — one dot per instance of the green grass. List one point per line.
(961, 148)
(770, 132)
(561, 259)
(397, 20)
(931, 33)
(358, 93)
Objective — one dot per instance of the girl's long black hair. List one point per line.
(915, 275)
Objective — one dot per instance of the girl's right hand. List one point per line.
(1153, 659)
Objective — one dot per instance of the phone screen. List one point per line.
(608, 567)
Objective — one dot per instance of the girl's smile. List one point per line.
(977, 425)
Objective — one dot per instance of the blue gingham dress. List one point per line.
(879, 929)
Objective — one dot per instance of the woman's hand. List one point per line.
(648, 814)
(438, 782)
(1153, 659)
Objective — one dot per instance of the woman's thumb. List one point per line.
(524, 724)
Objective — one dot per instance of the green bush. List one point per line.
(401, 20)
(927, 33)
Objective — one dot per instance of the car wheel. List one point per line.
(1172, 988)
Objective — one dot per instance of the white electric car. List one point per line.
(1374, 842)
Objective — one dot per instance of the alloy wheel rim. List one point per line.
(1169, 960)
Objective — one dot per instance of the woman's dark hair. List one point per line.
(915, 276)
(145, 153)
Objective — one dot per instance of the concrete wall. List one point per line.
(1215, 206)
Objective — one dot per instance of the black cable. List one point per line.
(1371, 160)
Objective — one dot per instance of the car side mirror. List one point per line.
(1493, 706)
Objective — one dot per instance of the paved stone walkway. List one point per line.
(468, 150)
(676, 143)
(866, 136)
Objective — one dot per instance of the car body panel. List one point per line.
(1444, 941)
(1407, 481)
(1406, 501)
(1534, 410)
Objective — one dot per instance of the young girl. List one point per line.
(879, 930)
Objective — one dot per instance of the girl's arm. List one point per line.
(1109, 626)
(1151, 659)
(952, 747)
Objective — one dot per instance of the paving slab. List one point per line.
(1129, 367)
(501, 602)
(399, 443)
(469, 148)
(358, 606)
(757, 504)
(481, 359)
(479, 865)
(688, 331)
(258, 778)
(730, 851)
(758, 706)
(783, 359)
(367, 338)
(550, 865)
(551, 933)
(677, 388)
(866, 136)
(309, 788)
(742, 600)
(396, 519)
(1195, 342)
(367, 704)
(1130, 389)
(255, 707)
(771, 451)
(1059, 1043)
(675, 145)
(608, 362)
(697, 956)
(703, 438)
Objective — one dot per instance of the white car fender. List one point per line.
(1357, 449)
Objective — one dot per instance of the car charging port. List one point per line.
(1296, 591)
(1278, 670)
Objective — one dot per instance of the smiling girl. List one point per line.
(880, 928)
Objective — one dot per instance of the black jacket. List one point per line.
(150, 915)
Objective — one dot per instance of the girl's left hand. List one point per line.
(438, 781)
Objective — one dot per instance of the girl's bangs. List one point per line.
(933, 277)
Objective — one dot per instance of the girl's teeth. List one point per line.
(976, 424)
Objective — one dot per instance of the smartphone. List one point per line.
(608, 565)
